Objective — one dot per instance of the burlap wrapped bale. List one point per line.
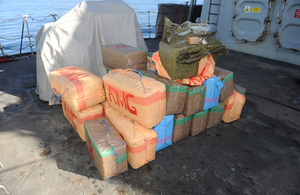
(215, 115)
(175, 93)
(77, 118)
(176, 34)
(226, 77)
(195, 100)
(143, 99)
(106, 147)
(124, 56)
(79, 88)
(181, 127)
(176, 70)
(141, 141)
(199, 122)
(165, 131)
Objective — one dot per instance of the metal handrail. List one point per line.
(54, 17)
(25, 21)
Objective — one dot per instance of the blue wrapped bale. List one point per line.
(213, 88)
(165, 131)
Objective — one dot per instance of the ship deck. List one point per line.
(40, 152)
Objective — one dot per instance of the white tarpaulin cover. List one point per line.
(76, 38)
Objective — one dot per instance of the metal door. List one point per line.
(250, 22)
(287, 35)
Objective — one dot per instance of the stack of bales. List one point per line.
(81, 93)
(148, 110)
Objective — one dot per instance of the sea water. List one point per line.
(11, 20)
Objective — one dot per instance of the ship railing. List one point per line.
(25, 27)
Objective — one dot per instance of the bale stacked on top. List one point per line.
(142, 99)
(124, 56)
(80, 92)
(178, 57)
(79, 88)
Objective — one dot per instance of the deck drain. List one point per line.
(15, 107)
